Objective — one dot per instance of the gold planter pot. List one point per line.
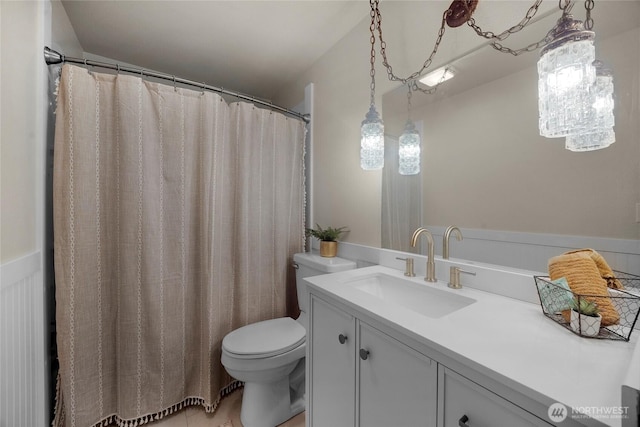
(328, 249)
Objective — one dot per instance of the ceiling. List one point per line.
(257, 46)
(253, 47)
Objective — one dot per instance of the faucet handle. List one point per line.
(408, 268)
(454, 277)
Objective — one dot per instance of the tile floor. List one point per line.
(229, 410)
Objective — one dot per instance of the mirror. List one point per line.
(484, 164)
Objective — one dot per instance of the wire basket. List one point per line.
(555, 300)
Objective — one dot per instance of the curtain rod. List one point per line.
(52, 57)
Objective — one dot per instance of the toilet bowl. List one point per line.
(269, 356)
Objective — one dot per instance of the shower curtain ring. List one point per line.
(175, 89)
(204, 86)
(87, 66)
(118, 69)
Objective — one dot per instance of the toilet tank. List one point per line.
(311, 264)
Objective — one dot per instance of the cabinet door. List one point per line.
(397, 385)
(463, 402)
(332, 366)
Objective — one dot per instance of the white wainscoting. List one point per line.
(22, 343)
(531, 251)
(525, 251)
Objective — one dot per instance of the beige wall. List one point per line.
(63, 38)
(25, 27)
(20, 29)
(346, 195)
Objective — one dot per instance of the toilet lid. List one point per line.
(266, 338)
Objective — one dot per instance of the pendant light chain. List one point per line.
(506, 33)
(409, 101)
(588, 22)
(430, 91)
(531, 12)
(372, 39)
(529, 48)
(383, 46)
(565, 6)
(376, 23)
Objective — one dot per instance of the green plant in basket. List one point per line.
(328, 234)
(585, 317)
(584, 306)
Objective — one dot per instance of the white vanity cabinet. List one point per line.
(461, 402)
(397, 386)
(488, 361)
(331, 366)
(359, 376)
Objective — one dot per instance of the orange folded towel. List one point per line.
(605, 270)
(584, 278)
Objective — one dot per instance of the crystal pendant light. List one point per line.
(372, 141)
(600, 115)
(591, 141)
(409, 151)
(565, 76)
(372, 129)
(409, 145)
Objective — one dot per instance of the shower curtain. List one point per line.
(401, 202)
(176, 216)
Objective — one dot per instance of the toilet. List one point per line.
(269, 356)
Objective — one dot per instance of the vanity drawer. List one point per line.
(464, 403)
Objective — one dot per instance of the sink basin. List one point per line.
(422, 299)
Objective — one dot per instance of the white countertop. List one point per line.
(508, 340)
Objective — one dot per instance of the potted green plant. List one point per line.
(328, 239)
(585, 317)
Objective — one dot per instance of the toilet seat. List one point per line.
(264, 339)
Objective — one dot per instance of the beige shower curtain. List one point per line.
(401, 202)
(175, 219)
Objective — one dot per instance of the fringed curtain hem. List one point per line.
(114, 419)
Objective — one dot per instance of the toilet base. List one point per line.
(269, 404)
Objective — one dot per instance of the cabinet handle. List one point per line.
(342, 338)
(462, 422)
(364, 354)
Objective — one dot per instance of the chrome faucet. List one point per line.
(445, 239)
(431, 265)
